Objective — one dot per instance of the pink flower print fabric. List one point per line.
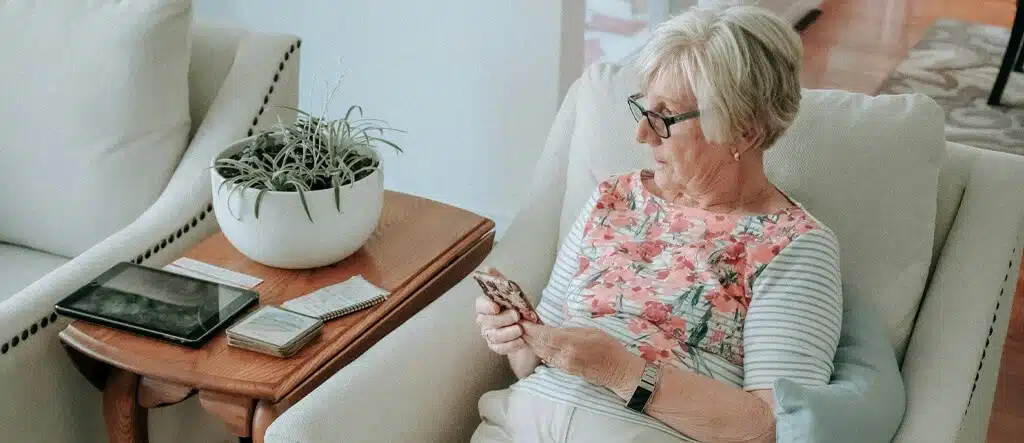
(677, 279)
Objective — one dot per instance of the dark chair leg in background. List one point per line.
(1020, 60)
(1013, 47)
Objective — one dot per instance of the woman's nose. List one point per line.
(645, 134)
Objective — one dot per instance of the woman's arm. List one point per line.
(523, 362)
(699, 407)
(703, 408)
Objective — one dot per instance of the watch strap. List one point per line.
(644, 389)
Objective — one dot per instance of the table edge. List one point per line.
(133, 362)
(102, 352)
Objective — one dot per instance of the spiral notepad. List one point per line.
(339, 299)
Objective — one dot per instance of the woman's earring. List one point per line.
(736, 156)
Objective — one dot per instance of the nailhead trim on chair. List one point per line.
(270, 90)
(52, 317)
(991, 329)
(31, 330)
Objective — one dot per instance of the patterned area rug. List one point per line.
(955, 64)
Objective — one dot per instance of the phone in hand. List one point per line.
(506, 293)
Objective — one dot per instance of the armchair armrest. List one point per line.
(527, 251)
(422, 381)
(419, 383)
(46, 399)
(952, 361)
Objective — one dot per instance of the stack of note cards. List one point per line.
(274, 331)
(339, 299)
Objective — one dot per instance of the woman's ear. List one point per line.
(748, 141)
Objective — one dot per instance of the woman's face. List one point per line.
(685, 158)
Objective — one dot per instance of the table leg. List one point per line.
(236, 412)
(265, 415)
(126, 420)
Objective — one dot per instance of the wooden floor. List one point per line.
(854, 45)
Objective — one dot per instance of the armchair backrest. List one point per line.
(213, 53)
(868, 167)
(94, 105)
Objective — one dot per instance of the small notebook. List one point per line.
(339, 299)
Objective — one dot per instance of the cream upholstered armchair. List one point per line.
(928, 232)
(235, 77)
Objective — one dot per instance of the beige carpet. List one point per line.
(955, 64)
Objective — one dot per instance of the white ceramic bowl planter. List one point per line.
(283, 236)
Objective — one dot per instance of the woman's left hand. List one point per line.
(586, 352)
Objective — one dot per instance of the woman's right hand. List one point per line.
(499, 327)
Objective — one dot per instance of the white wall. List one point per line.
(474, 83)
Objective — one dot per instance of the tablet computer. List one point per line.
(158, 304)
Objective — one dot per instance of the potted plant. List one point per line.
(304, 194)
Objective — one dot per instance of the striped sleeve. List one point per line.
(553, 296)
(793, 323)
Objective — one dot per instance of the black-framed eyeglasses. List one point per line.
(659, 123)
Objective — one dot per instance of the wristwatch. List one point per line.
(644, 389)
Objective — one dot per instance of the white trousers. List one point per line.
(517, 416)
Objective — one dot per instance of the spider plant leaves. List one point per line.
(259, 199)
(296, 110)
(308, 154)
(239, 186)
(387, 143)
(336, 184)
(302, 198)
(352, 108)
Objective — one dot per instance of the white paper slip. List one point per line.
(211, 272)
(190, 273)
(338, 299)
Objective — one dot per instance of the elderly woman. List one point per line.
(681, 293)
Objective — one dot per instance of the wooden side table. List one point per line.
(420, 249)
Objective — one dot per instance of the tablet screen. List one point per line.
(159, 301)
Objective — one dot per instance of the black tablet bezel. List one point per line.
(246, 299)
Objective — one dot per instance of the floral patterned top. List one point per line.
(695, 289)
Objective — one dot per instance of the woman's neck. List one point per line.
(740, 187)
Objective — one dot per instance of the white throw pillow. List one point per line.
(94, 115)
(866, 166)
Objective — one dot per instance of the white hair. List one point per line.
(742, 64)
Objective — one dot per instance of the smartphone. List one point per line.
(507, 294)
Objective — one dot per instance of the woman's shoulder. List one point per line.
(617, 191)
(619, 183)
(809, 224)
(796, 231)
(812, 236)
